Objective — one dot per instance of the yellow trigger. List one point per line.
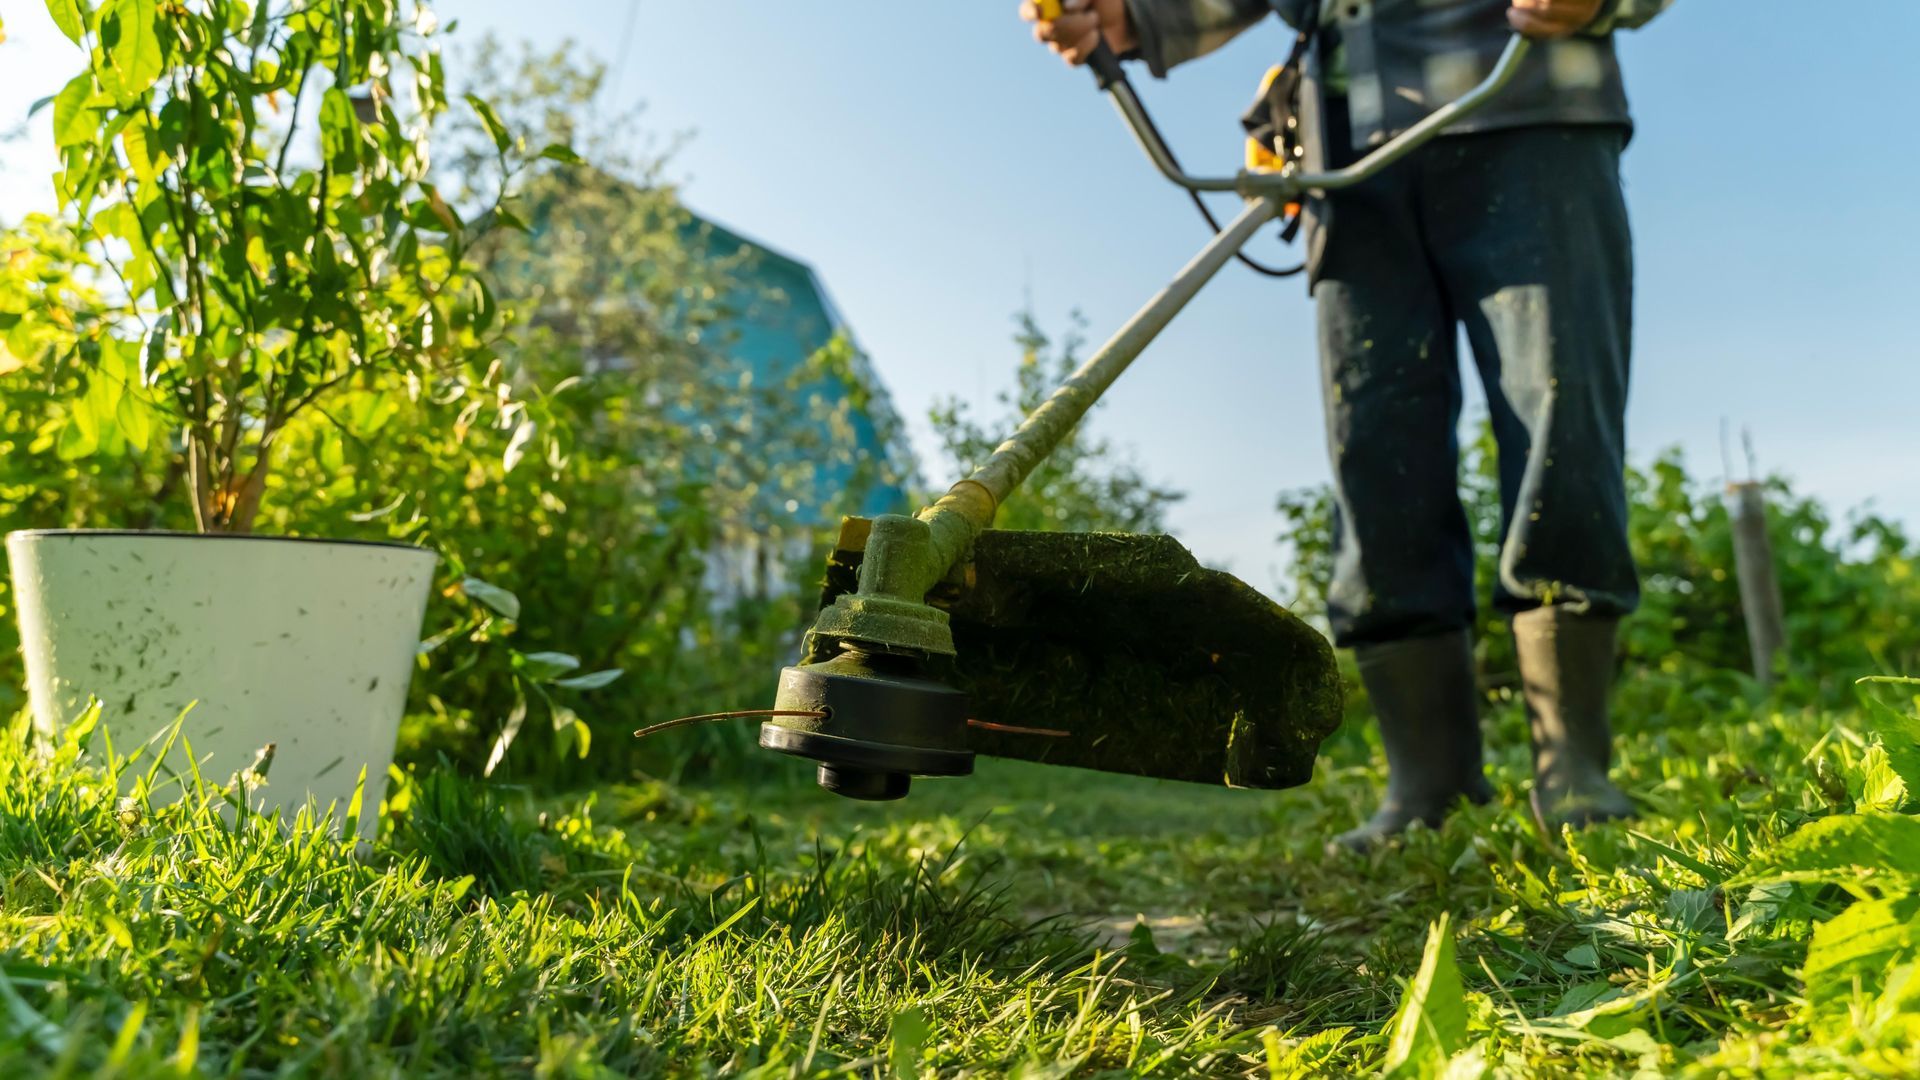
(1262, 157)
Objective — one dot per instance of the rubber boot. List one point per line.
(1566, 669)
(1423, 691)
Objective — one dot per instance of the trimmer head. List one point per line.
(881, 725)
(1143, 661)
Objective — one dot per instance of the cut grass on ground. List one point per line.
(1026, 921)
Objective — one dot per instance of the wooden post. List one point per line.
(1760, 601)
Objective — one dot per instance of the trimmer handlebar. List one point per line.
(1289, 183)
(1105, 65)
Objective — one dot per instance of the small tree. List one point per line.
(1085, 485)
(252, 185)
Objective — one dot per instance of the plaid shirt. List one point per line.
(1398, 60)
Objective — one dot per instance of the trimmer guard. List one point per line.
(1152, 664)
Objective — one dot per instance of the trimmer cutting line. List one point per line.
(940, 638)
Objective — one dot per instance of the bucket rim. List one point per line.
(167, 534)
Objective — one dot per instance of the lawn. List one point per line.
(1024, 921)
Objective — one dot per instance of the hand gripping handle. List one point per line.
(1104, 63)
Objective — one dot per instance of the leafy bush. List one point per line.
(257, 262)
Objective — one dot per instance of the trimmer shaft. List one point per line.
(883, 724)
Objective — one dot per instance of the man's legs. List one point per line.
(1529, 228)
(1402, 590)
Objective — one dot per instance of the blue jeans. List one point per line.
(1522, 236)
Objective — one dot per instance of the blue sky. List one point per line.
(936, 166)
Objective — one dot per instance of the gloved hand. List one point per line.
(1075, 33)
(1553, 18)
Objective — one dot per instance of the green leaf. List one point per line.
(1431, 1024)
(86, 413)
(130, 37)
(153, 351)
(262, 23)
(339, 131)
(563, 153)
(1854, 848)
(1607, 1012)
(507, 219)
(1764, 906)
(496, 130)
(134, 422)
(1680, 858)
(76, 442)
(28, 1025)
(906, 1039)
(493, 596)
(119, 366)
(725, 924)
(142, 145)
(568, 724)
(331, 457)
(73, 121)
(1859, 945)
(70, 16)
(592, 681)
(1881, 785)
(1899, 732)
(96, 413)
(119, 220)
(1314, 1056)
(542, 666)
(517, 445)
(508, 730)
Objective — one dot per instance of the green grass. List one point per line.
(1024, 921)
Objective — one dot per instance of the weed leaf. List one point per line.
(1899, 734)
(1858, 946)
(70, 16)
(542, 666)
(1871, 847)
(906, 1037)
(593, 680)
(1882, 787)
(1432, 1022)
(493, 596)
(508, 731)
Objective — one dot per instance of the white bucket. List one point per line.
(306, 644)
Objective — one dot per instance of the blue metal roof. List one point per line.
(784, 316)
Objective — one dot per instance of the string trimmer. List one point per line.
(940, 638)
